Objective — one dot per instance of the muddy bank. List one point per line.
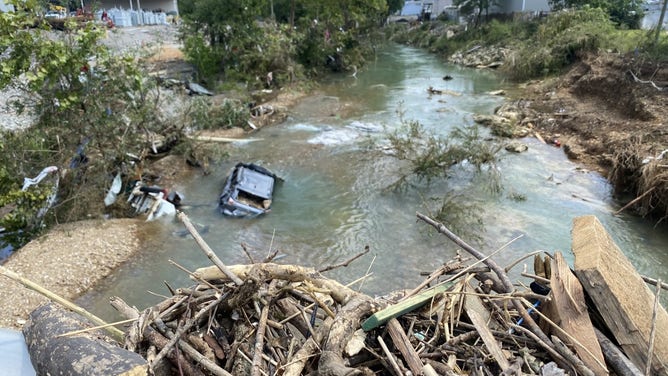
(608, 113)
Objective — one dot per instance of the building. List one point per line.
(166, 6)
(515, 6)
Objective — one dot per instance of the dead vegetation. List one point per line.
(466, 318)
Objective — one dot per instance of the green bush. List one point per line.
(561, 40)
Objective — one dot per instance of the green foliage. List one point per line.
(206, 115)
(560, 41)
(626, 13)
(207, 60)
(231, 40)
(430, 156)
(90, 107)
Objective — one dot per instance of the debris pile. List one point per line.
(466, 318)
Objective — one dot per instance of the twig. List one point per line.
(645, 82)
(512, 264)
(634, 201)
(74, 332)
(195, 277)
(347, 262)
(207, 250)
(571, 357)
(368, 272)
(508, 285)
(114, 332)
(244, 246)
(187, 326)
(655, 282)
(390, 357)
(652, 333)
(459, 274)
(259, 342)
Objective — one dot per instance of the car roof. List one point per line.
(255, 183)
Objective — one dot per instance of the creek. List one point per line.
(334, 199)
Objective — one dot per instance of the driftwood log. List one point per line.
(91, 353)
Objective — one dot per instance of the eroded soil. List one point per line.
(609, 113)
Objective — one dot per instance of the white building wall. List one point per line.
(147, 5)
(510, 6)
(5, 7)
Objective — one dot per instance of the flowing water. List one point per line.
(334, 200)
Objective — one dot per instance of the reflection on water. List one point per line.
(333, 202)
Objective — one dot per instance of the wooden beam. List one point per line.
(623, 299)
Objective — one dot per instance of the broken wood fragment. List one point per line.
(570, 313)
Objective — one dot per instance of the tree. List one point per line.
(94, 113)
(394, 5)
(627, 13)
(475, 7)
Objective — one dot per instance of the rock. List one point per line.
(497, 92)
(517, 147)
(490, 120)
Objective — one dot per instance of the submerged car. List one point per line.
(248, 191)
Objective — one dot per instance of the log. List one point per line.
(89, 353)
(618, 362)
(618, 291)
(570, 313)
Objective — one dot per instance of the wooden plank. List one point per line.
(475, 303)
(404, 346)
(488, 338)
(622, 298)
(571, 314)
(408, 305)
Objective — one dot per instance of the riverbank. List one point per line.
(68, 261)
(538, 96)
(608, 113)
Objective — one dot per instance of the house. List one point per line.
(166, 6)
(413, 8)
(517, 6)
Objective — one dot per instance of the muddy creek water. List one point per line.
(333, 201)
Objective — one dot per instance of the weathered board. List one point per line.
(621, 296)
(571, 314)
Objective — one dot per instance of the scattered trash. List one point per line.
(114, 190)
(155, 202)
(28, 182)
(197, 89)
